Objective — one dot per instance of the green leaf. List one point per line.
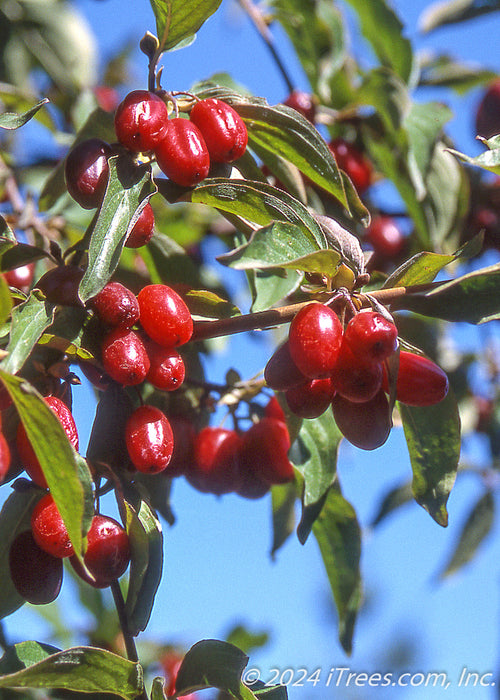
(395, 498)
(246, 640)
(23, 655)
(433, 438)
(146, 543)
(167, 260)
(177, 20)
(270, 287)
(388, 94)
(445, 71)
(283, 499)
(20, 254)
(158, 689)
(86, 669)
(10, 120)
(474, 298)
(488, 160)
(29, 320)
(66, 472)
(207, 304)
(212, 664)
(424, 124)
(127, 193)
(339, 538)
(474, 531)
(315, 456)
(6, 302)
(15, 517)
(442, 13)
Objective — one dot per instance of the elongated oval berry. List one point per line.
(281, 372)
(355, 379)
(86, 171)
(149, 439)
(108, 552)
(366, 425)
(124, 357)
(143, 229)
(264, 451)
(49, 530)
(164, 315)
(167, 370)
(215, 465)
(223, 129)
(315, 337)
(36, 575)
(183, 154)
(115, 305)
(371, 336)
(420, 382)
(141, 121)
(310, 399)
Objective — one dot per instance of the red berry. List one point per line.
(223, 129)
(366, 425)
(315, 338)
(281, 372)
(20, 277)
(36, 575)
(149, 439)
(27, 454)
(49, 530)
(164, 315)
(303, 103)
(167, 370)
(386, 237)
(183, 154)
(108, 552)
(87, 171)
(60, 285)
(420, 381)
(311, 399)
(353, 162)
(5, 457)
(215, 465)
(371, 336)
(264, 451)
(355, 379)
(171, 663)
(115, 305)
(5, 398)
(107, 97)
(488, 112)
(143, 229)
(124, 357)
(274, 410)
(141, 121)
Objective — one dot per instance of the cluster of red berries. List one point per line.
(322, 365)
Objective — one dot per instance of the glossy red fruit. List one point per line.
(108, 552)
(143, 229)
(29, 460)
(352, 161)
(264, 451)
(215, 465)
(183, 154)
(141, 121)
(420, 382)
(274, 410)
(371, 336)
(36, 575)
(49, 530)
(303, 103)
(315, 337)
(223, 129)
(115, 305)
(386, 237)
(366, 425)
(488, 112)
(149, 439)
(164, 315)
(281, 372)
(124, 357)
(167, 370)
(60, 285)
(355, 379)
(5, 457)
(20, 277)
(86, 171)
(311, 399)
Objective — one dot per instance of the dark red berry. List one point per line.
(183, 455)
(274, 410)
(352, 161)
(488, 112)
(183, 154)
(49, 530)
(315, 337)
(215, 465)
(355, 379)
(95, 375)
(143, 229)
(5, 398)
(223, 129)
(281, 372)
(167, 370)
(264, 451)
(366, 425)
(86, 171)
(164, 315)
(115, 305)
(20, 277)
(108, 552)
(5, 457)
(124, 357)
(303, 103)
(149, 439)
(371, 336)
(386, 237)
(420, 381)
(60, 285)
(311, 399)
(36, 575)
(141, 121)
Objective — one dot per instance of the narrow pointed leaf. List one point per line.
(10, 120)
(177, 21)
(487, 160)
(447, 12)
(283, 498)
(395, 498)
(6, 302)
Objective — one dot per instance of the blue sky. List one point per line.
(217, 567)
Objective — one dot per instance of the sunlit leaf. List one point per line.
(176, 20)
(11, 120)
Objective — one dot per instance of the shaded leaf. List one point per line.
(283, 499)
(106, 443)
(388, 94)
(6, 302)
(447, 12)
(177, 21)
(207, 304)
(271, 287)
(20, 254)
(212, 664)
(394, 499)
(247, 640)
(446, 71)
